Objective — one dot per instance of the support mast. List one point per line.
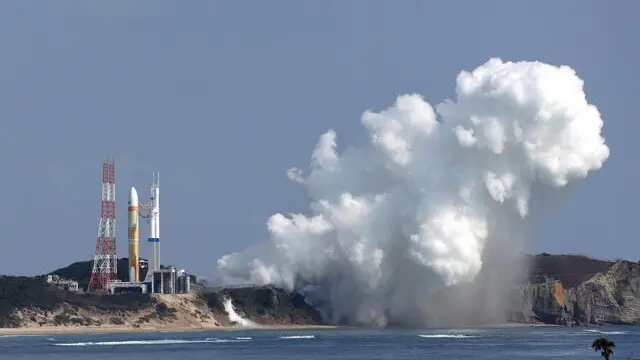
(105, 261)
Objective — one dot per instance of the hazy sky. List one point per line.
(222, 98)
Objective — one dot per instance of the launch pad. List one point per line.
(158, 279)
(170, 281)
(119, 287)
(163, 281)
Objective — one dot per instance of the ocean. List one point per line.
(500, 343)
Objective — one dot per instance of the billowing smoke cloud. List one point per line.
(434, 197)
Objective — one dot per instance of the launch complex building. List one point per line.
(158, 279)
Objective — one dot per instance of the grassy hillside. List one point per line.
(17, 292)
(81, 272)
(571, 270)
(27, 301)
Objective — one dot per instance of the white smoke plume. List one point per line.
(234, 317)
(418, 208)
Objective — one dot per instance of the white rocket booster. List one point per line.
(154, 225)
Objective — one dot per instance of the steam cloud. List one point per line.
(415, 210)
(234, 317)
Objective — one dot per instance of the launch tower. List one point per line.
(105, 261)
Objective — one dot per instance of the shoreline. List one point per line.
(87, 330)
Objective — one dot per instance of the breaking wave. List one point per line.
(606, 332)
(447, 336)
(294, 337)
(149, 342)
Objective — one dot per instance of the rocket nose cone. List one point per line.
(133, 197)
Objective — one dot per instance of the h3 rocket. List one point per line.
(134, 233)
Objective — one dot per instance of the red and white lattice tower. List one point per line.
(105, 261)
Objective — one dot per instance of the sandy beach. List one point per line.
(176, 328)
(47, 330)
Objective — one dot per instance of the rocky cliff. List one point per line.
(611, 296)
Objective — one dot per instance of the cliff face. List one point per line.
(608, 297)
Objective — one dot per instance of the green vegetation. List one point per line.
(266, 302)
(17, 292)
(70, 308)
(81, 272)
(72, 318)
(165, 312)
(605, 346)
(571, 270)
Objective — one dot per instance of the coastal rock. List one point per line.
(608, 297)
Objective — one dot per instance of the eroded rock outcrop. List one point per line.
(608, 297)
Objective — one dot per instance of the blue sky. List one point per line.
(222, 97)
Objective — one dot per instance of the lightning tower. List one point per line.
(105, 260)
